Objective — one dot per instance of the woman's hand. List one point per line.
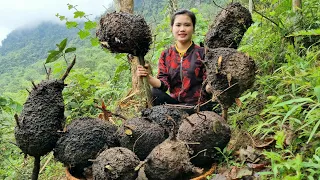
(143, 71)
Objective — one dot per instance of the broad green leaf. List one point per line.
(90, 25)
(79, 14)
(53, 56)
(94, 41)
(294, 101)
(63, 44)
(62, 18)
(312, 32)
(70, 6)
(83, 34)
(317, 92)
(71, 49)
(71, 24)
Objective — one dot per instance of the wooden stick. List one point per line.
(34, 85)
(45, 164)
(69, 69)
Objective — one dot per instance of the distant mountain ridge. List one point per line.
(24, 47)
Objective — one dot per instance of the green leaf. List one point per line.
(94, 41)
(53, 56)
(83, 34)
(79, 14)
(292, 110)
(299, 100)
(280, 138)
(317, 92)
(71, 49)
(63, 44)
(90, 25)
(312, 32)
(3, 101)
(71, 24)
(70, 6)
(62, 18)
(315, 128)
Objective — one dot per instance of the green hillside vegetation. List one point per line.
(283, 106)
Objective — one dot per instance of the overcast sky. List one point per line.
(25, 13)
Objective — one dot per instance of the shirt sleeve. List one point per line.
(163, 72)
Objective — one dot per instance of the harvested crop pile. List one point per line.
(83, 140)
(141, 136)
(230, 73)
(229, 27)
(162, 115)
(204, 130)
(115, 163)
(124, 33)
(42, 117)
(169, 160)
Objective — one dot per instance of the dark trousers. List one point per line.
(160, 97)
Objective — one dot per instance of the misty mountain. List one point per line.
(23, 47)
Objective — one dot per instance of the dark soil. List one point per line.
(238, 66)
(42, 116)
(116, 163)
(169, 160)
(229, 27)
(163, 115)
(83, 140)
(124, 33)
(145, 136)
(209, 130)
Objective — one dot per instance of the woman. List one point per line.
(180, 67)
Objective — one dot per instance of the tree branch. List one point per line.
(69, 69)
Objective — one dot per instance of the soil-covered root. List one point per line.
(141, 136)
(124, 33)
(229, 27)
(169, 160)
(203, 132)
(83, 140)
(115, 163)
(230, 73)
(164, 115)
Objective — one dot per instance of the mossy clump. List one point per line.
(122, 32)
(229, 27)
(141, 136)
(83, 140)
(164, 115)
(205, 131)
(115, 163)
(229, 73)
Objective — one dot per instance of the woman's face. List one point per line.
(182, 28)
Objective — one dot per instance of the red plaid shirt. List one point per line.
(183, 81)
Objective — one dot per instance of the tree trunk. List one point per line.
(296, 4)
(124, 6)
(140, 95)
(173, 5)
